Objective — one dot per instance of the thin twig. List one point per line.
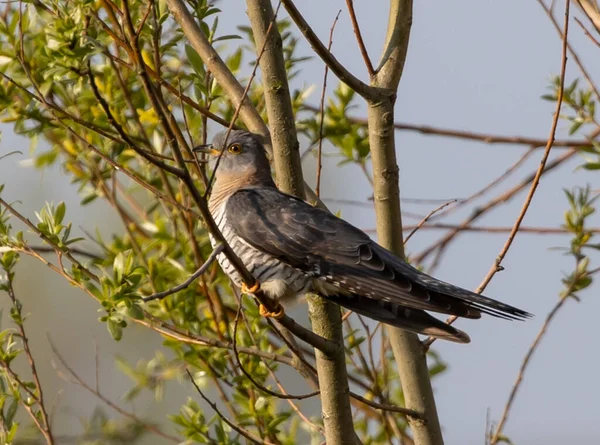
(523, 368)
(73, 250)
(489, 186)
(574, 55)
(249, 376)
(359, 39)
(486, 138)
(587, 33)
(212, 257)
(78, 380)
(243, 432)
(536, 180)
(45, 422)
(424, 220)
(500, 199)
(322, 109)
(366, 91)
(58, 250)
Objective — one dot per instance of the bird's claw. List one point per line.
(278, 313)
(251, 290)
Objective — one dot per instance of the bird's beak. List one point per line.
(206, 149)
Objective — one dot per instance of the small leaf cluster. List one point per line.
(581, 208)
(348, 135)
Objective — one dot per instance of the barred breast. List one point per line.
(277, 279)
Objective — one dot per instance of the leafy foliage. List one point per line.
(103, 84)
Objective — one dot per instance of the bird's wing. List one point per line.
(329, 248)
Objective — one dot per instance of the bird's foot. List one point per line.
(251, 290)
(277, 313)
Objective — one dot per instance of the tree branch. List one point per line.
(408, 351)
(485, 138)
(359, 39)
(368, 92)
(286, 152)
(325, 316)
(217, 67)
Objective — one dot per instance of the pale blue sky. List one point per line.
(472, 65)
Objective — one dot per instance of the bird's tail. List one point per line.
(413, 320)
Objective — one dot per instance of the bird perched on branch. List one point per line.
(292, 248)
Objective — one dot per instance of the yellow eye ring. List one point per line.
(235, 149)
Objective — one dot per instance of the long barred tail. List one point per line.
(413, 320)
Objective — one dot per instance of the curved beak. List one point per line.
(206, 149)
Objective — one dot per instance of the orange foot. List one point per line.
(277, 313)
(251, 290)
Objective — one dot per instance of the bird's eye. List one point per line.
(235, 149)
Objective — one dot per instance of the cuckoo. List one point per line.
(292, 248)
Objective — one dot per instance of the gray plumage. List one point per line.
(292, 248)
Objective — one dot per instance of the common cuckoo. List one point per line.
(292, 248)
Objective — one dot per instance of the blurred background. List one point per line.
(474, 65)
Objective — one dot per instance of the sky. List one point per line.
(473, 65)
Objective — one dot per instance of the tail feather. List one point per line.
(413, 320)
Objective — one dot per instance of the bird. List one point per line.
(292, 248)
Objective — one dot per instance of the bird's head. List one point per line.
(239, 154)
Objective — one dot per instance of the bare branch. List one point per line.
(322, 112)
(538, 174)
(79, 381)
(500, 199)
(590, 9)
(286, 150)
(524, 365)
(366, 91)
(486, 138)
(359, 39)
(217, 67)
(252, 379)
(408, 352)
(424, 220)
(43, 423)
(240, 430)
(212, 257)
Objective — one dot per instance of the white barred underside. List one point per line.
(276, 279)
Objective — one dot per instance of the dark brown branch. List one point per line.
(237, 428)
(424, 220)
(359, 39)
(212, 257)
(252, 379)
(44, 423)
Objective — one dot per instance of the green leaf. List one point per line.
(135, 312)
(592, 166)
(196, 61)
(11, 411)
(119, 266)
(115, 329)
(227, 37)
(59, 213)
